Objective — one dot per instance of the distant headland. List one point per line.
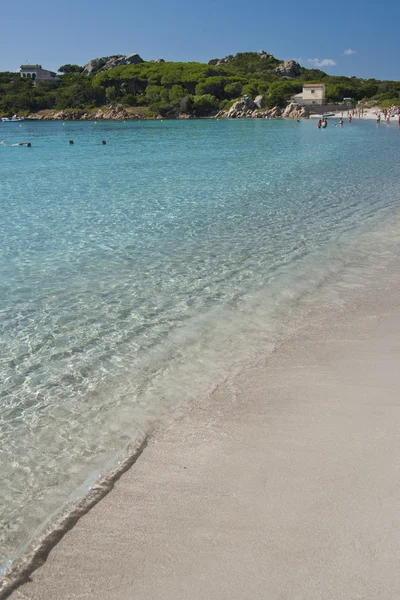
(247, 84)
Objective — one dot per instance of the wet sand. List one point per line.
(285, 485)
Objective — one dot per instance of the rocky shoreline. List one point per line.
(245, 108)
(111, 113)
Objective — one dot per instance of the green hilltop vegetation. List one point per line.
(173, 88)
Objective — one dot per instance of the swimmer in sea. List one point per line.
(27, 144)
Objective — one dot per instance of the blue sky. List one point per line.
(53, 33)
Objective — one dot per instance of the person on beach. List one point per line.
(378, 119)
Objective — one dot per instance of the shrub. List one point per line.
(213, 86)
(233, 90)
(205, 104)
(186, 105)
(390, 102)
(226, 104)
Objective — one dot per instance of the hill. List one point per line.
(174, 88)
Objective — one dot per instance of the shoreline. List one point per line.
(189, 460)
(119, 113)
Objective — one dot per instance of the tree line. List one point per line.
(170, 88)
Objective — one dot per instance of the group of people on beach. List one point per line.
(356, 112)
(388, 113)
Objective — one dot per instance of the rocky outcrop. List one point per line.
(273, 113)
(295, 111)
(288, 68)
(114, 113)
(157, 60)
(63, 115)
(98, 65)
(263, 54)
(284, 68)
(241, 108)
(217, 62)
(246, 108)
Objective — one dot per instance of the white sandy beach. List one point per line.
(286, 485)
(369, 114)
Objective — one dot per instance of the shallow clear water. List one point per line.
(134, 276)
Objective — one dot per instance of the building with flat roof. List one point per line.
(36, 73)
(313, 93)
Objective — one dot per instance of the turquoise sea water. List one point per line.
(135, 276)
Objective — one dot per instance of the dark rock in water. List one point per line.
(98, 65)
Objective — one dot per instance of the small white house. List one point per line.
(313, 93)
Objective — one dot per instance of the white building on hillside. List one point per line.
(313, 93)
(36, 73)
